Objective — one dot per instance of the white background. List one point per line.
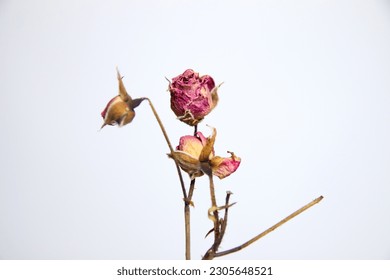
(305, 104)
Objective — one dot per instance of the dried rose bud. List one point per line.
(195, 155)
(193, 97)
(120, 109)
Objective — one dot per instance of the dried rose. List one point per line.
(195, 155)
(193, 97)
(120, 109)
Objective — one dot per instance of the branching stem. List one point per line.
(257, 237)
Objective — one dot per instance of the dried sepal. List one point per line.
(209, 147)
(188, 163)
(122, 90)
(214, 96)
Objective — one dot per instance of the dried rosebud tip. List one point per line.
(192, 97)
(120, 109)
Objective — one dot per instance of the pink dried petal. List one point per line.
(201, 137)
(190, 145)
(223, 167)
(208, 82)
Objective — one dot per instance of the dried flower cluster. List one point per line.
(193, 97)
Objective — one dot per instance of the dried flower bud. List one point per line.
(117, 112)
(195, 155)
(192, 97)
(120, 109)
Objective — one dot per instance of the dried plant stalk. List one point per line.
(187, 202)
(264, 233)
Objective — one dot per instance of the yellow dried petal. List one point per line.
(208, 148)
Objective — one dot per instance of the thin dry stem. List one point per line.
(210, 254)
(257, 237)
(187, 219)
(191, 191)
(214, 205)
(225, 218)
(170, 147)
(187, 213)
(215, 218)
(187, 228)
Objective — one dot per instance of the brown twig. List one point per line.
(191, 191)
(187, 218)
(225, 217)
(187, 212)
(257, 237)
(215, 218)
(187, 228)
(214, 206)
(211, 252)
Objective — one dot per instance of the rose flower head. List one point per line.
(193, 97)
(195, 155)
(120, 109)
